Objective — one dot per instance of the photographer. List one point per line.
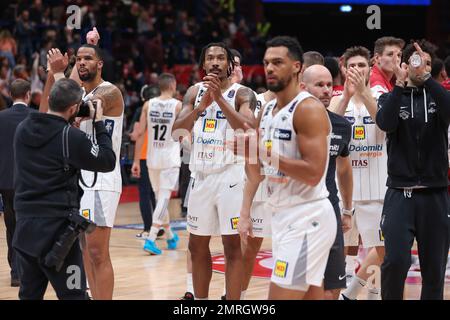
(49, 154)
(415, 116)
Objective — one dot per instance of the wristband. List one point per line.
(58, 75)
(348, 212)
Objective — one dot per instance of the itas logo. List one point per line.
(155, 114)
(359, 132)
(280, 269)
(358, 164)
(282, 134)
(86, 213)
(220, 115)
(167, 115)
(368, 120)
(234, 223)
(109, 125)
(205, 155)
(209, 125)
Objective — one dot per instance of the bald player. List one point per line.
(317, 80)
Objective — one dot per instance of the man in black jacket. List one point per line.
(9, 120)
(415, 115)
(47, 191)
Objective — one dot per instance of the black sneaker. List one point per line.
(187, 296)
(224, 297)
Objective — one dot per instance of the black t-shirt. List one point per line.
(340, 138)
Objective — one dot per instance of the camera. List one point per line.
(62, 246)
(85, 111)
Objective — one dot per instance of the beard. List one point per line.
(87, 76)
(280, 85)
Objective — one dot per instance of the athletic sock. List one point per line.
(153, 233)
(169, 233)
(350, 265)
(243, 294)
(373, 294)
(189, 283)
(354, 288)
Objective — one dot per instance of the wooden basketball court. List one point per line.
(139, 276)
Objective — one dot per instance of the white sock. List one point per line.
(373, 294)
(201, 298)
(354, 288)
(153, 233)
(243, 294)
(169, 233)
(189, 283)
(350, 265)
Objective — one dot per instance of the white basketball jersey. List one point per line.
(211, 130)
(368, 155)
(109, 181)
(279, 133)
(261, 193)
(162, 152)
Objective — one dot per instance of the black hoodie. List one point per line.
(416, 122)
(42, 188)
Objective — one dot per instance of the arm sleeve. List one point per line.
(84, 154)
(440, 96)
(388, 109)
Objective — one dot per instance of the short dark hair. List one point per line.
(425, 45)
(356, 51)
(447, 65)
(436, 67)
(295, 50)
(229, 54)
(164, 81)
(19, 88)
(98, 51)
(382, 42)
(311, 58)
(64, 94)
(236, 54)
(332, 64)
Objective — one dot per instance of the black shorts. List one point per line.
(335, 277)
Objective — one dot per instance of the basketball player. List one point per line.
(295, 137)
(318, 81)
(369, 162)
(213, 109)
(163, 157)
(100, 202)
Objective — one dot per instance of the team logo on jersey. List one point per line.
(86, 213)
(282, 134)
(284, 117)
(167, 114)
(293, 106)
(350, 119)
(209, 125)
(359, 132)
(109, 125)
(280, 269)
(154, 114)
(231, 94)
(368, 120)
(220, 115)
(234, 223)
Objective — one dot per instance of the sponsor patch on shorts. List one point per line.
(380, 233)
(234, 223)
(86, 213)
(280, 269)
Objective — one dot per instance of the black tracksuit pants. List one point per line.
(422, 214)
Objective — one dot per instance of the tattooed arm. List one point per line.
(112, 100)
